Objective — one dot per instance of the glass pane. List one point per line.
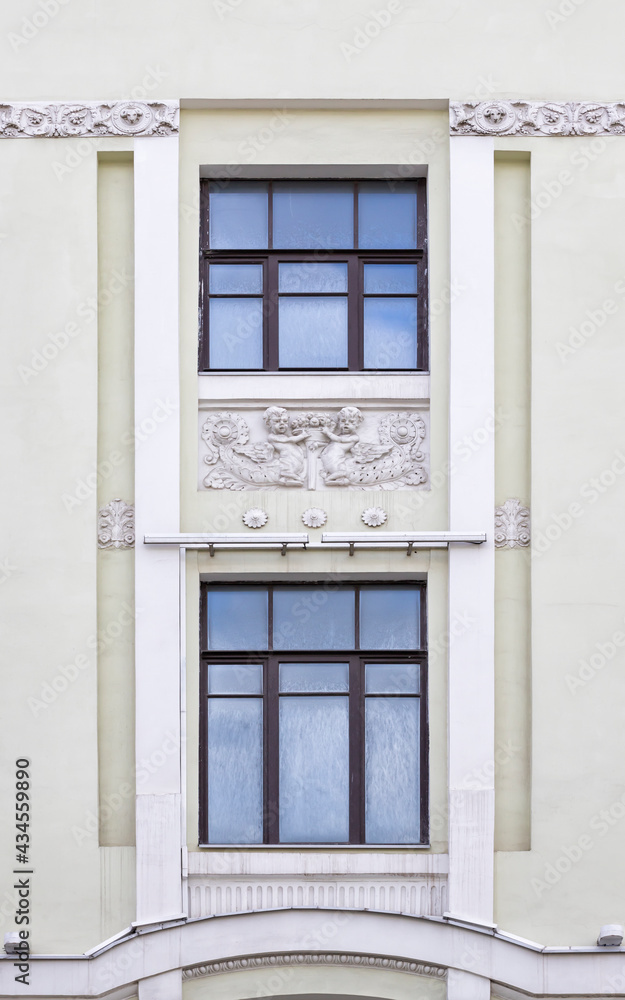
(235, 678)
(235, 332)
(392, 771)
(313, 332)
(392, 678)
(390, 278)
(314, 770)
(390, 333)
(238, 216)
(237, 618)
(313, 214)
(308, 276)
(389, 617)
(387, 217)
(235, 279)
(313, 618)
(235, 771)
(314, 677)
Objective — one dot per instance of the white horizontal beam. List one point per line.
(423, 539)
(221, 538)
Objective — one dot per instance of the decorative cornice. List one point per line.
(333, 959)
(88, 118)
(512, 525)
(508, 118)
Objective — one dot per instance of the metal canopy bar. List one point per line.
(221, 538)
(422, 539)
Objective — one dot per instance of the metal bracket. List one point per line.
(410, 547)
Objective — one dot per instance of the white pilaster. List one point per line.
(471, 501)
(157, 493)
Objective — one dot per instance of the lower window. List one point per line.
(320, 735)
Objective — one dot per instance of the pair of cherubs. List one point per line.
(287, 443)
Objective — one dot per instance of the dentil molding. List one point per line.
(332, 959)
(536, 118)
(512, 525)
(313, 449)
(88, 118)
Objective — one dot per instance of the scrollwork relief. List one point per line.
(315, 450)
(536, 118)
(116, 525)
(88, 118)
(512, 525)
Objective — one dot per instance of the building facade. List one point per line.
(314, 477)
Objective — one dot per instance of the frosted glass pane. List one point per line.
(313, 618)
(390, 278)
(311, 214)
(387, 217)
(392, 678)
(237, 216)
(389, 617)
(235, 279)
(392, 771)
(235, 333)
(308, 276)
(314, 770)
(390, 333)
(235, 678)
(235, 770)
(314, 677)
(313, 332)
(237, 619)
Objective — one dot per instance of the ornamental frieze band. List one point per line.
(313, 450)
(88, 118)
(536, 118)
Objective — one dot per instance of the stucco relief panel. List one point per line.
(353, 447)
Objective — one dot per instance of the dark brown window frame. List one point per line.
(355, 260)
(270, 696)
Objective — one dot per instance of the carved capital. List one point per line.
(536, 118)
(116, 525)
(88, 119)
(512, 525)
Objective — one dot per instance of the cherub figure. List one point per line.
(286, 442)
(335, 455)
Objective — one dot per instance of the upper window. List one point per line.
(319, 735)
(314, 275)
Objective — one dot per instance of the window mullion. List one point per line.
(356, 752)
(272, 755)
(271, 315)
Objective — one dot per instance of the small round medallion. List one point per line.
(255, 517)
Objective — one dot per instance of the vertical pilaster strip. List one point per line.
(471, 501)
(157, 495)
